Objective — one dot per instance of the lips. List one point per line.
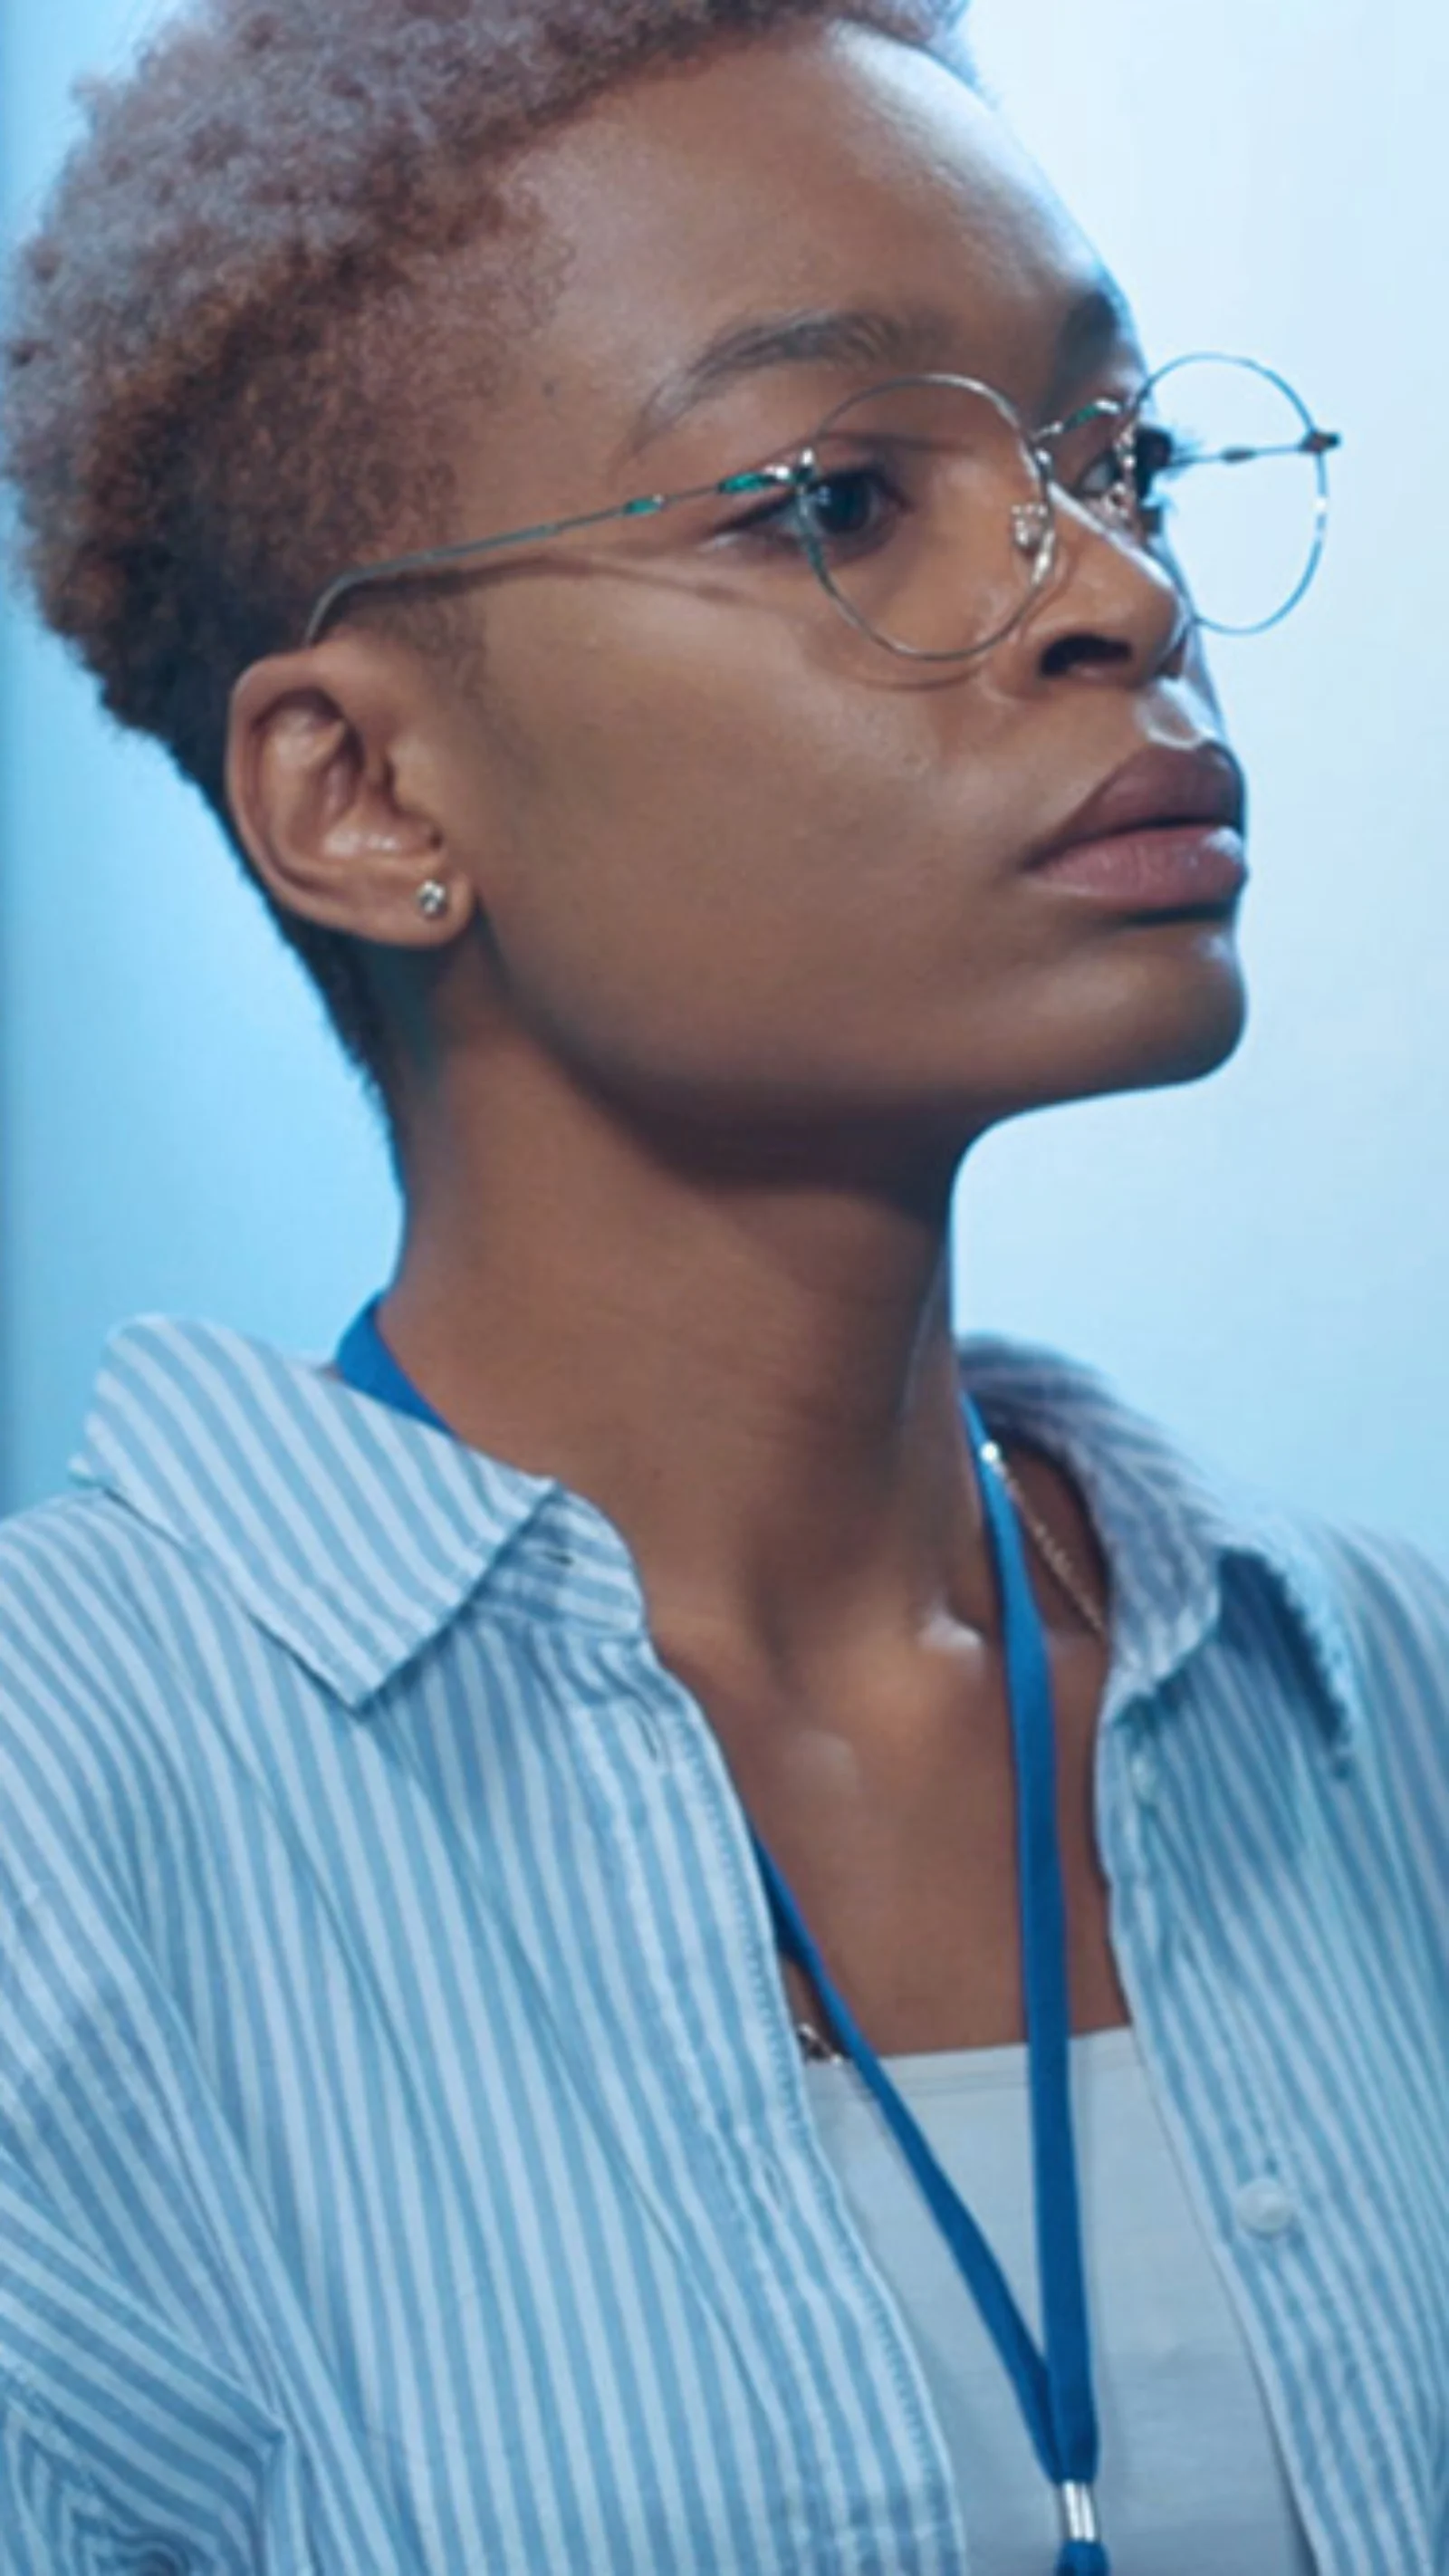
(1154, 790)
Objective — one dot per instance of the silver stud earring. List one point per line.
(432, 899)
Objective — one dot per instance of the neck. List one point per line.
(752, 1378)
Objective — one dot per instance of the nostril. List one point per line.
(1071, 652)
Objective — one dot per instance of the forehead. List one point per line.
(831, 166)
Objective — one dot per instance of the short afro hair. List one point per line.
(236, 282)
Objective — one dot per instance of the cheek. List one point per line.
(713, 884)
(757, 886)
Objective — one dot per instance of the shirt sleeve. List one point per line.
(127, 2436)
(140, 2427)
(121, 2446)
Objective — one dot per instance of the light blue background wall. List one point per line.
(1262, 1259)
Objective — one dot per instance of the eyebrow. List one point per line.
(905, 337)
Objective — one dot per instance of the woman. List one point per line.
(612, 1913)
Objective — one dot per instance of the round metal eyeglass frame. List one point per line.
(1034, 524)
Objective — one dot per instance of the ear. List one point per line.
(338, 790)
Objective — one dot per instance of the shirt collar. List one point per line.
(354, 1534)
(347, 1531)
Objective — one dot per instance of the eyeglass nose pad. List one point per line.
(1031, 523)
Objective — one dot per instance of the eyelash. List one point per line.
(1159, 451)
(781, 515)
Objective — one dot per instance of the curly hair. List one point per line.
(238, 280)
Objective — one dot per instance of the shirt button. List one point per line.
(1265, 2208)
(1143, 1774)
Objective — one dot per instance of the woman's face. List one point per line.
(740, 865)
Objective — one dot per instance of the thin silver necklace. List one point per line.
(1055, 1557)
(1050, 1549)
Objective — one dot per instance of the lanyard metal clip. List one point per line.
(1079, 2511)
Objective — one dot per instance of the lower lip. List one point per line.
(1172, 868)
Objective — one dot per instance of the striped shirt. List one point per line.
(406, 2163)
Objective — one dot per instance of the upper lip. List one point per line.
(1156, 787)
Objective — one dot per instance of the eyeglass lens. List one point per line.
(926, 514)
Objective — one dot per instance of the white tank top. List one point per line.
(1191, 2479)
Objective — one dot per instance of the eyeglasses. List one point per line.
(930, 513)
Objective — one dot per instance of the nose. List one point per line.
(1109, 609)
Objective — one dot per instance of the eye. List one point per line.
(836, 507)
(1156, 455)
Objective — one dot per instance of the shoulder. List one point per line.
(91, 1689)
(1065, 1403)
(1371, 1605)
(1394, 1599)
(1385, 1581)
(1397, 1591)
(83, 1581)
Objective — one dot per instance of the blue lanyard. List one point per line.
(1054, 2389)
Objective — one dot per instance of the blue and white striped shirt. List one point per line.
(406, 2163)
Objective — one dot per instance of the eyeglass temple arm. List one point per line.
(439, 558)
(1314, 442)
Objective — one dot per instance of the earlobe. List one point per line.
(313, 787)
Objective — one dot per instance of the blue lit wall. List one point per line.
(1260, 1260)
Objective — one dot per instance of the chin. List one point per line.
(1171, 1014)
(1192, 1033)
